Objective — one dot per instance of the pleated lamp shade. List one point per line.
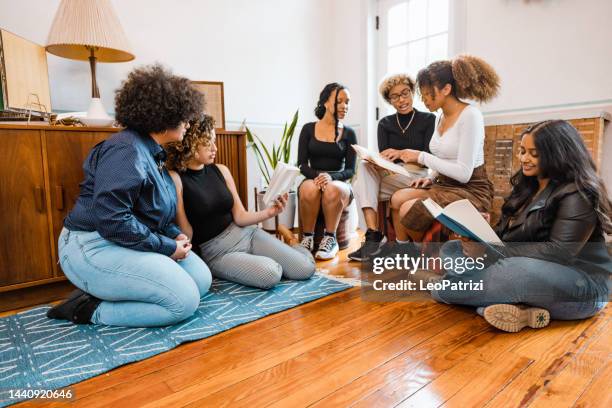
(80, 25)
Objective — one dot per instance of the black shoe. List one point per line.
(392, 248)
(78, 308)
(373, 240)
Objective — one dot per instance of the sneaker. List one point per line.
(512, 318)
(373, 240)
(392, 248)
(328, 248)
(308, 242)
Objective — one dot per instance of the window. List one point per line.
(412, 34)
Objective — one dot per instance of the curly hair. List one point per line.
(388, 83)
(152, 100)
(470, 77)
(200, 133)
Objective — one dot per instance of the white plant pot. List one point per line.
(286, 218)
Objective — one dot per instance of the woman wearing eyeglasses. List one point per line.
(407, 128)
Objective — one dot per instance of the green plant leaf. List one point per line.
(263, 167)
(290, 133)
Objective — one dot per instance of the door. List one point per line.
(412, 34)
(66, 152)
(25, 249)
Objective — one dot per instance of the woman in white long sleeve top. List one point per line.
(457, 145)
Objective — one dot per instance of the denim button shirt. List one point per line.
(127, 196)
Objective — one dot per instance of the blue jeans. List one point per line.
(567, 293)
(138, 289)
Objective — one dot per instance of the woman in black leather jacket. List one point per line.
(554, 262)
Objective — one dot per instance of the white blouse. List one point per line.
(460, 150)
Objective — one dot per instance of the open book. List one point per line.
(464, 219)
(408, 170)
(282, 180)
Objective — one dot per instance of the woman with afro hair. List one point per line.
(119, 245)
(456, 161)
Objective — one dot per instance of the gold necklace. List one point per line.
(400, 126)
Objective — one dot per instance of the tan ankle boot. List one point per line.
(512, 318)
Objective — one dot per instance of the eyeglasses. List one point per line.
(406, 93)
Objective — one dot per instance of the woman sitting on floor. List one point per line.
(119, 244)
(457, 148)
(327, 160)
(211, 213)
(407, 128)
(554, 263)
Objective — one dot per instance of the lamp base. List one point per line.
(96, 115)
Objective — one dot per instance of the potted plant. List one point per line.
(267, 159)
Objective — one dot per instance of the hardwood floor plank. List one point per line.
(565, 388)
(552, 350)
(597, 393)
(342, 336)
(302, 381)
(478, 378)
(416, 364)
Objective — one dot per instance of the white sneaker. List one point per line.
(328, 248)
(308, 242)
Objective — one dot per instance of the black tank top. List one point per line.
(208, 202)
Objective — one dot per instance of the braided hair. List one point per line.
(323, 97)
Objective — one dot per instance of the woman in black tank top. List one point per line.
(210, 212)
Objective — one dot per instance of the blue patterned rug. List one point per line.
(40, 353)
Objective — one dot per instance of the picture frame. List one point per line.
(215, 103)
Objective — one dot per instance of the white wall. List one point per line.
(271, 54)
(547, 52)
(554, 58)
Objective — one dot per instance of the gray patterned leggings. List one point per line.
(250, 256)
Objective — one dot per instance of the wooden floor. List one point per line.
(342, 351)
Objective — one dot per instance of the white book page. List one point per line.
(433, 207)
(282, 180)
(408, 170)
(464, 212)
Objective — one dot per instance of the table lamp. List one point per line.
(89, 30)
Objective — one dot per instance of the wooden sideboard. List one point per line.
(40, 172)
(502, 144)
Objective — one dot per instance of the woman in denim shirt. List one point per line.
(133, 266)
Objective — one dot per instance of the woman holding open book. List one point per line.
(554, 262)
(210, 212)
(457, 147)
(407, 128)
(327, 160)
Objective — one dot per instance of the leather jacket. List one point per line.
(560, 225)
